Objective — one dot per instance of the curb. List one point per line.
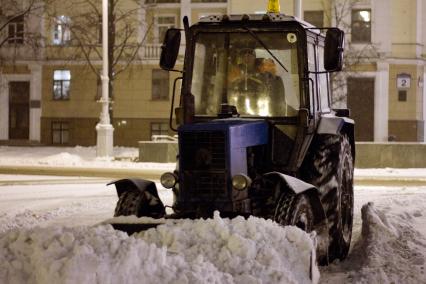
(83, 171)
(389, 181)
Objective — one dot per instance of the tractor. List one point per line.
(257, 135)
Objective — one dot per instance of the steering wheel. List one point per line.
(249, 84)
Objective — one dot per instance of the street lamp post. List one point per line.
(298, 9)
(104, 129)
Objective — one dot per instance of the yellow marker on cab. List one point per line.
(274, 6)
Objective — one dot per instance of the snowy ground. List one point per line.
(389, 243)
(48, 232)
(126, 158)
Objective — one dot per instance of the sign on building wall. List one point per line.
(403, 81)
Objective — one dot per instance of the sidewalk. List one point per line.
(384, 177)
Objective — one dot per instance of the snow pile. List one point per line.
(393, 251)
(52, 160)
(124, 157)
(249, 250)
(201, 251)
(25, 219)
(390, 249)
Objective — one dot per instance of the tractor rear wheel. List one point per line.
(294, 210)
(329, 166)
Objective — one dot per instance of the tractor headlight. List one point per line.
(241, 182)
(168, 180)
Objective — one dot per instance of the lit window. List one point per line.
(60, 132)
(160, 84)
(61, 84)
(163, 23)
(16, 30)
(159, 128)
(323, 82)
(361, 26)
(62, 32)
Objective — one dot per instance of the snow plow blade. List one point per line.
(131, 229)
(133, 224)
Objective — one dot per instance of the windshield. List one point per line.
(236, 69)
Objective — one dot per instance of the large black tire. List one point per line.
(134, 202)
(294, 210)
(329, 166)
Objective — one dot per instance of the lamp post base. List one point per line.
(104, 140)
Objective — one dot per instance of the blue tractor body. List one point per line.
(210, 154)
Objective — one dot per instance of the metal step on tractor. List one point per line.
(257, 133)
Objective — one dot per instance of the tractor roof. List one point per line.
(268, 17)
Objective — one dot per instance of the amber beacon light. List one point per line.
(274, 6)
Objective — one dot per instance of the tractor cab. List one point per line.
(270, 67)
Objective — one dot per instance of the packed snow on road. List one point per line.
(50, 233)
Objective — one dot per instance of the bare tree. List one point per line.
(17, 18)
(339, 14)
(84, 23)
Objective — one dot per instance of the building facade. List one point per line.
(50, 91)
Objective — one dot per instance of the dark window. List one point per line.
(61, 84)
(160, 84)
(98, 88)
(159, 128)
(16, 30)
(100, 28)
(402, 96)
(316, 18)
(161, 1)
(60, 132)
(208, 1)
(361, 26)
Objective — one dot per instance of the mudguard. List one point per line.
(333, 124)
(298, 186)
(141, 185)
(338, 125)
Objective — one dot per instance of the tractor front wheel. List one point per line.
(294, 210)
(134, 202)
